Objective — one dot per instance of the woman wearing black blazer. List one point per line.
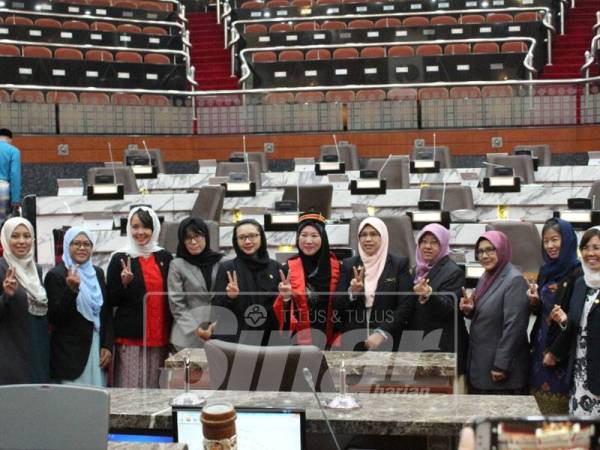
(137, 277)
(81, 318)
(376, 310)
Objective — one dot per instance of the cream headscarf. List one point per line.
(25, 268)
(591, 277)
(132, 248)
(374, 264)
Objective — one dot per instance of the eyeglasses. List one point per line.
(246, 237)
(590, 248)
(78, 244)
(369, 235)
(432, 243)
(486, 251)
(193, 238)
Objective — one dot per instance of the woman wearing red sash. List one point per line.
(305, 305)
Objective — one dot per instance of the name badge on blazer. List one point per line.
(390, 280)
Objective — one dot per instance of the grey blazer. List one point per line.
(498, 333)
(189, 301)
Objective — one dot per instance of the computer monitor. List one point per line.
(153, 436)
(256, 428)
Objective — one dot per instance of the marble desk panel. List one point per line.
(531, 196)
(145, 446)
(567, 174)
(381, 413)
(377, 364)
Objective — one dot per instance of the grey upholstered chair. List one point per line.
(251, 168)
(155, 153)
(542, 152)
(396, 171)
(209, 203)
(123, 175)
(348, 154)
(313, 197)
(454, 197)
(258, 157)
(525, 241)
(521, 164)
(440, 153)
(594, 195)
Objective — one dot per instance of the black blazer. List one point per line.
(438, 313)
(129, 301)
(71, 333)
(389, 312)
(578, 299)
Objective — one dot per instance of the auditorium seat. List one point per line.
(370, 95)
(281, 27)
(68, 53)
(345, 53)
(155, 30)
(4, 96)
(402, 94)
(264, 57)
(252, 169)
(309, 97)
(99, 2)
(486, 47)
(457, 49)
(521, 164)
(440, 153)
(18, 20)
(429, 50)
(103, 26)
(396, 171)
(156, 58)
(402, 240)
(155, 6)
(542, 152)
(209, 203)
(125, 4)
(128, 28)
(594, 195)
(125, 99)
(472, 18)
(255, 28)
(27, 96)
(48, 23)
(341, 96)
(291, 55)
(154, 153)
(258, 157)
(388, 22)
(328, 2)
(94, 98)
(9, 50)
(513, 47)
(360, 23)
(401, 51)
(75, 25)
(302, 3)
(99, 55)
(525, 241)
(34, 51)
(415, 21)
(433, 93)
(348, 154)
(313, 197)
(318, 54)
(123, 175)
(252, 5)
(306, 26)
(372, 52)
(154, 100)
(458, 92)
(129, 57)
(527, 16)
(61, 97)
(499, 18)
(497, 91)
(454, 197)
(277, 4)
(443, 20)
(278, 98)
(333, 25)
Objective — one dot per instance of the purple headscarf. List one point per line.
(443, 236)
(504, 252)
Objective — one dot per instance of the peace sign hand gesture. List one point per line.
(10, 283)
(357, 284)
(232, 288)
(467, 302)
(73, 279)
(285, 286)
(126, 273)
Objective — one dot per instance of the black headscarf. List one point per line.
(260, 259)
(204, 260)
(317, 268)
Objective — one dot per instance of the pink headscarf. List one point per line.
(504, 252)
(443, 236)
(375, 264)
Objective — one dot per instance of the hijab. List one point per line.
(592, 278)
(374, 264)
(25, 269)
(504, 253)
(206, 259)
(442, 234)
(555, 269)
(260, 259)
(132, 248)
(317, 268)
(89, 300)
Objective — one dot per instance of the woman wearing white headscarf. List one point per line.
(377, 283)
(24, 340)
(581, 331)
(137, 287)
(82, 334)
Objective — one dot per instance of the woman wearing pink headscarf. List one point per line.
(498, 358)
(375, 310)
(437, 285)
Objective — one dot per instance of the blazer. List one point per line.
(578, 299)
(129, 301)
(24, 339)
(390, 311)
(71, 336)
(441, 310)
(498, 334)
(189, 301)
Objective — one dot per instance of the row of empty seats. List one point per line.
(90, 55)
(81, 25)
(129, 4)
(85, 98)
(394, 51)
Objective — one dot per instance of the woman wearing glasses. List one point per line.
(581, 328)
(192, 275)
(498, 358)
(137, 286)
(246, 287)
(378, 284)
(81, 319)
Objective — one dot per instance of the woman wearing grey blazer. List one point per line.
(497, 361)
(191, 276)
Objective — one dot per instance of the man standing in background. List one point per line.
(10, 174)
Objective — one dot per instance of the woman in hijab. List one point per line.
(192, 275)
(437, 277)
(246, 287)
(82, 333)
(306, 302)
(556, 278)
(377, 282)
(137, 283)
(581, 327)
(498, 357)
(24, 340)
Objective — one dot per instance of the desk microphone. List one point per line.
(337, 149)
(309, 379)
